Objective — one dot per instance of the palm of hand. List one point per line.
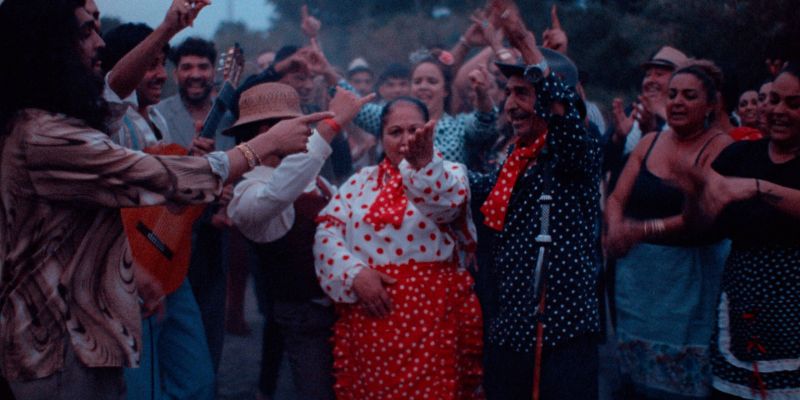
(420, 146)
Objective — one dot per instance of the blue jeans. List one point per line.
(208, 275)
(175, 362)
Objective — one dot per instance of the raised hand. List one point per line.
(644, 113)
(490, 35)
(346, 105)
(420, 146)
(479, 79)
(182, 13)
(308, 24)
(555, 38)
(474, 36)
(287, 137)
(317, 62)
(369, 285)
(505, 14)
(622, 123)
(296, 62)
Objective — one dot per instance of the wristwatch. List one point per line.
(534, 73)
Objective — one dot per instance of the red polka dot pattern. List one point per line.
(429, 347)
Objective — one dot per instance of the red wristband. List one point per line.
(333, 124)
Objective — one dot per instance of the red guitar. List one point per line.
(160, 237)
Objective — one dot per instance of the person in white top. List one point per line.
(276, 207)
(389, 251)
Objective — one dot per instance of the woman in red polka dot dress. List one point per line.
(391, 249)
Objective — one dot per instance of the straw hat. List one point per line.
(266, 101)
(667, 57)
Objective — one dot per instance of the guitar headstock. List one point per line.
(231, 64)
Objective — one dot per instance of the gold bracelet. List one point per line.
(255, 155)
(249, 155)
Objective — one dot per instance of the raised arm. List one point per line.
(77, 164)
(577, 151)
(262, 204)
(369, 117)
(438, 188)
(554, 37)
(130, 70)
(479, 126)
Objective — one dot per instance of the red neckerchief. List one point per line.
(496, 205)
(390, 205)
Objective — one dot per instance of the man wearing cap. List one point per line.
(276, 207)
(648, 114)
(361, 77)
(553, 155)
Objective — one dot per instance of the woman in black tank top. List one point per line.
(647, 203)
(666, 281)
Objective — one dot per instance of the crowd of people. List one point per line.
(454, 227)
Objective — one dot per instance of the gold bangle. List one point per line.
(255, 155)
(249, 155)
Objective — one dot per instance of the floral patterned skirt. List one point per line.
(428, 347)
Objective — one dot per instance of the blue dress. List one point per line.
(665, 301)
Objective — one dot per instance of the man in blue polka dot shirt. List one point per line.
(553, 153)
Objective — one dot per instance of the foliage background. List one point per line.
(609, 39)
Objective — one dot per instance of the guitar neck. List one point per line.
(220, 106)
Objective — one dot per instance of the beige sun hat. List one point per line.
(667, 57)
(266, 101)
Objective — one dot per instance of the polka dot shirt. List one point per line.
(572, 305)
(453, 135)
(344, 243)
